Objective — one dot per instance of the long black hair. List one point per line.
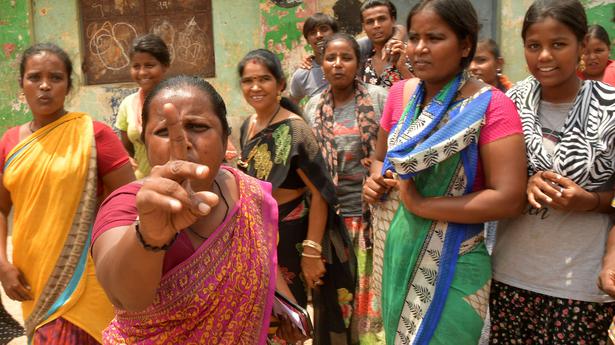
(598, 32)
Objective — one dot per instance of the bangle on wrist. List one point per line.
(150, 247)
(597, 194)
(311, 256)
(313, 245)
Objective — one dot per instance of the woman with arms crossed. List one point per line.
(545, 261)
(459, 155)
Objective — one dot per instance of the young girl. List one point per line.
(546, 261)
(149, 61)
(488, 63)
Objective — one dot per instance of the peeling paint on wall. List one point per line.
(14, 38)
(280, 26)
(114, 96)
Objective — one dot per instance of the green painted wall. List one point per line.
(15, 36)
(512, 13)
(281, 30)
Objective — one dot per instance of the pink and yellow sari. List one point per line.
(223, 293)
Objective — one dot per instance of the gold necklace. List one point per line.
(244, 163)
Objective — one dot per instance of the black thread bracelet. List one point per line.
(148, 246)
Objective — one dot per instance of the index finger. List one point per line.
(178, 150)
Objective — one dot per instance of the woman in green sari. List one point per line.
(457, 152)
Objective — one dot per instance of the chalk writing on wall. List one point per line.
(110, 27)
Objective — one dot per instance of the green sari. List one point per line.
(442, 269)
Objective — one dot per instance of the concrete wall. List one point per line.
(239, 26)
(236, 31)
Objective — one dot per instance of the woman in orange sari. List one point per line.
(55, 169)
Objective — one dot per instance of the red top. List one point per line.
(120, 209)
(110, 153)
(501, 120)
(609, 74)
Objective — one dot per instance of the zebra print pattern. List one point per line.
(586, 151)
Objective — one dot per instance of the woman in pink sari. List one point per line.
(188, 255)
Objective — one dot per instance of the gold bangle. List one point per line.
(311, 256)
(313, 245)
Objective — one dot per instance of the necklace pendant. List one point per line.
(242, 164)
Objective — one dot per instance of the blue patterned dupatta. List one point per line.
(438, 148)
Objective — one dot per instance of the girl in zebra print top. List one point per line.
(546, 261)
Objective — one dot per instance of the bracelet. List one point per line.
(148, 246)
(311, 256)
(597, 204)
(313, 245)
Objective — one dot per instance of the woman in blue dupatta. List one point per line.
(458, 154)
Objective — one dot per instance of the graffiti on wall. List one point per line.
(281, 25)
(109, 29)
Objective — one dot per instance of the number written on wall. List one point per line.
(109, 27)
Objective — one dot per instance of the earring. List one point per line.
(279, 97)
(581, 66)
(498, 71)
